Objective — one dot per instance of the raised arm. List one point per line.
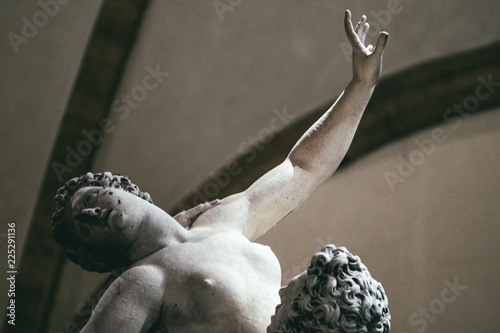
(324, 145)
(317, 154)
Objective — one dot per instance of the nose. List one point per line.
(281, 292)
(92, 212)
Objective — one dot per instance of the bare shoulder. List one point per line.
(144, 273)
(132, 303)
(265, 203)
(145, 281)
(231, 214)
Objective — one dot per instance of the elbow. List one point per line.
(298, 162)
(308, 174)
(303, 160)
(316, 167)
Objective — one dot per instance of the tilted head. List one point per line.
(336, 295)
(91, 211)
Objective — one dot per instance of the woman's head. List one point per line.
(68, 233)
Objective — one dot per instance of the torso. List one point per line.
(218, 282)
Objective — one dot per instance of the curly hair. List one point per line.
(89, 259)
(339, 296)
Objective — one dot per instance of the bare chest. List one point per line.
(220, 284)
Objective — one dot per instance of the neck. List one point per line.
(157, 231)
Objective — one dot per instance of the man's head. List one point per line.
(336, 294)
(91, 211)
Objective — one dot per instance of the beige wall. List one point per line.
(441, 223)
(226, 77)
(36, 77)
(35, 83)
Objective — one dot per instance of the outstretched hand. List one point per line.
(366, 60)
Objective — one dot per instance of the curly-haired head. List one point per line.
(89, 259)
(336, 295)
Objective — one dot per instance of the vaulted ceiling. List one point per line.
(403, 103)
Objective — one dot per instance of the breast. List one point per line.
(230, 283)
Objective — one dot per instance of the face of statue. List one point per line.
(287, 294)
(106, 217)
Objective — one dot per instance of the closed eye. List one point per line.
(86, 200)
(90, 198)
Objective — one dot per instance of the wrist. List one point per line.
(362, 84)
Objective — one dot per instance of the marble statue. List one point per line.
(201, 271)
(336, 294)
